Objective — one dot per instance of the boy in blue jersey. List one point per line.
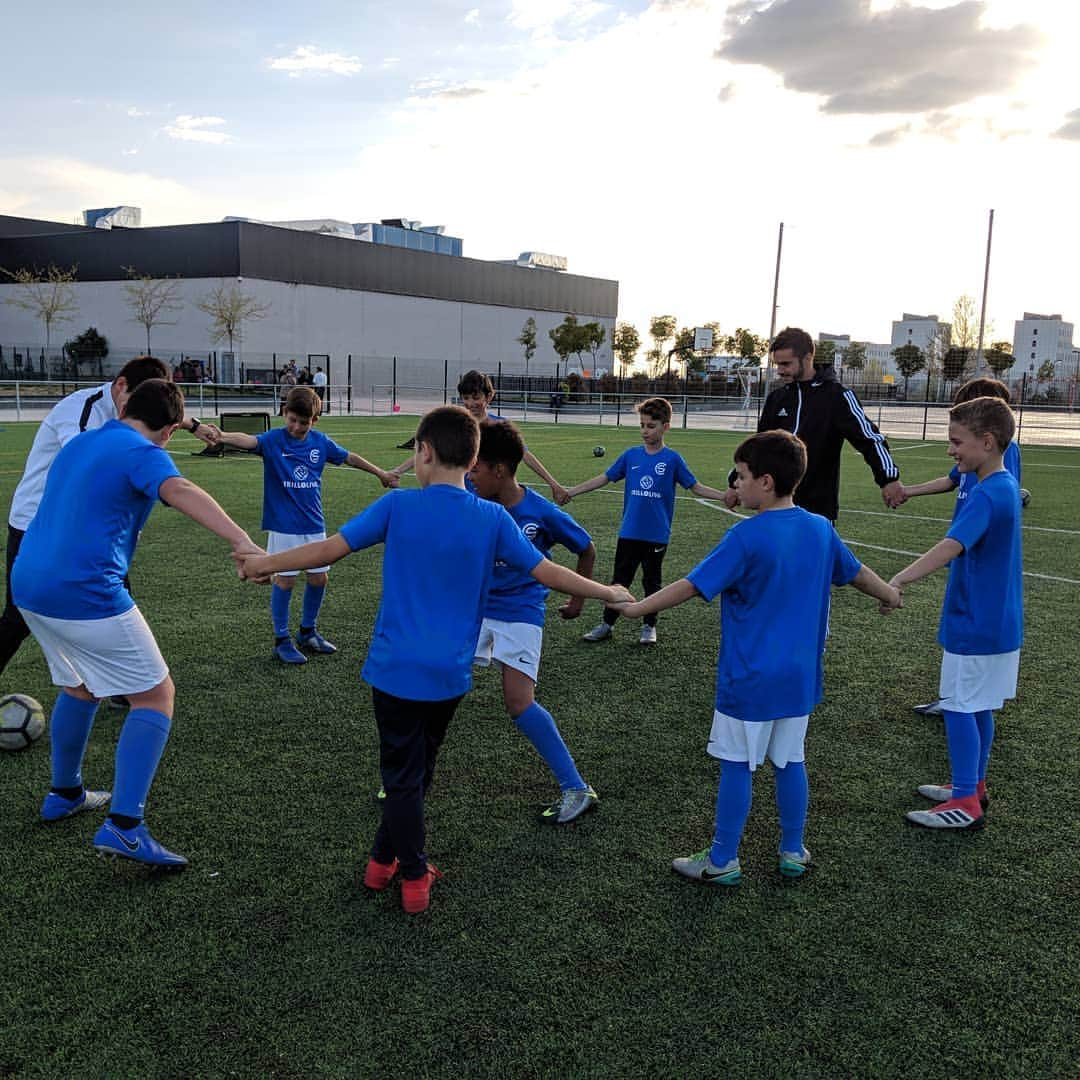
(774, 574)
(294, 457)
(68, 582)
(513, 627)
(477, 391)
(982, 619)
(441, 545)
(964, 483)
(650, 472)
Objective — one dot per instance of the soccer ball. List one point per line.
(598, 451)
(1025, 496)
(22, 720)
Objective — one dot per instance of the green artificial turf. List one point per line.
(551, 952)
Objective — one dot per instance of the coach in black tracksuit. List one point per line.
(813, 404)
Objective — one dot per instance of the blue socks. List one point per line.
(138, 751)
(792, 799)
(985, 722)
(69, 732)
(279, 610)
(538, 726)
(965, 751)
(732, 809)
(313, 598)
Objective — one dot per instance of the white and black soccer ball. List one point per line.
(598, 451)
(22, 720)
(1025, 496)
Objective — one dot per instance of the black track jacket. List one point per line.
(823, 413)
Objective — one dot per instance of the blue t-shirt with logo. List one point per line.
(78, 547)
(649, 491)
(292, 479)
(983, 613)
(515, 596)
(774, 574)
(965, 482)
(441, 547)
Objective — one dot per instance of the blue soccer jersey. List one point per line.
(76, 551)
(649, 491)
(441, 545)
(983, 613)
(515, 596)
(774, 573)
(292, 479)
(965, 482)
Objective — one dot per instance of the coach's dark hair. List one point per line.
(501, 444)
(304, 401)
(142, 368)
(798, 341)
(158, 403)
(986, 416)
(657, 408)
(475, 382)
(452, 434)
(779, 454)
(981, 387)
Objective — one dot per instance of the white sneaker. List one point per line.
(648, 635)
(598, 633)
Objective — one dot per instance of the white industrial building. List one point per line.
(921, 331)
(1039, 338)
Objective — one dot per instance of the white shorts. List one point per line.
(515, 644)
(111, 657)
(974, 683)
(276, 542)
(781, 741)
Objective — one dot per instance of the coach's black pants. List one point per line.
(410, 734)
(13, 628)
(629, 555)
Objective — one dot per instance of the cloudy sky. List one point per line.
(660, 144)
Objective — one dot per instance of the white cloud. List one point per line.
(308, 58)
(133, 111)
(540, 16)
(130, 152)
(472, 17)
(194, 129)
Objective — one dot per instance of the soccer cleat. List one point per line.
(953, 814)
(571, 805)
(56, 807)
(648, 635)
(315, 642)
(288, 653)
(416, 895)
(598, 633)
(700, 868)
(943, 793)
(408, 444)
(378, 875)
(136, 844)
(931, 708)
(380, 796)
(794, 863)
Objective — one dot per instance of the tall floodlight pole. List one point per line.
(776, 283)
(986, 282)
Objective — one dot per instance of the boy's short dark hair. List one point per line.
(657, 408)
(304, 401)
(798, 341)
(501, 444)
(981, 387)
(158, 403)
(986, 416)
(452, 434)
(475, 382)
(779, 454)
(141, 368)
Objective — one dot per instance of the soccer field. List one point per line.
(549, 952)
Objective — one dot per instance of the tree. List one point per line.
(1046, 371)
(594, 336)
(152, 298)
(88, 347)
(965, 324)
(999, 357)
(569, 338)
(527, 340)
(853, 356)
(825, 353)
(954, 362)
(49, 295)
(747, 345)
(909, 361)
(661, 329)
(229, 307)
(625, 344)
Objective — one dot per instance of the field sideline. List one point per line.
(555, 953)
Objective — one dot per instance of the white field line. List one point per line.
(947, 521)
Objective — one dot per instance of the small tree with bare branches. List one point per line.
(151, 299)
(49, 295)
(229, 307)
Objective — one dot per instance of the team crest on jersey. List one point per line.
(300, 472)
(313, 457)
(530, 529)
(646, 482)
(661, 468)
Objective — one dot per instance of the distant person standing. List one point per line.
(813, 404)
(318, 380)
